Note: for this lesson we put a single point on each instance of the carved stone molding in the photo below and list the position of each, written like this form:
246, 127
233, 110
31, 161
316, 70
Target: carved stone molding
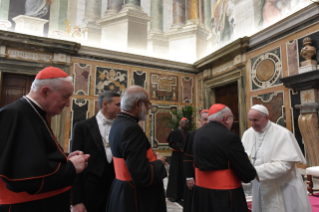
309, 128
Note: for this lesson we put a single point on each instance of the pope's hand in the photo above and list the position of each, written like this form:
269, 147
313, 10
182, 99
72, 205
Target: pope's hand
79, 208
78, 162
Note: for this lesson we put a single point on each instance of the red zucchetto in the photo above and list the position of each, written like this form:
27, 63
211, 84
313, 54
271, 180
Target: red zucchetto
51, 73
184, 119
203, 111
215, 108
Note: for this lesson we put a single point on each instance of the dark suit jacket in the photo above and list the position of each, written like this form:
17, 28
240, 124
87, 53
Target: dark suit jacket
95, 181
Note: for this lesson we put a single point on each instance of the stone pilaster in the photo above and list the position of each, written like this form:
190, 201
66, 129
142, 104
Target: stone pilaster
178, 14
192, 10
157, 15
134, 2
125, 31
4, 9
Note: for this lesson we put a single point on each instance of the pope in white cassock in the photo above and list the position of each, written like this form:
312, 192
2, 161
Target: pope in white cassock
274, 152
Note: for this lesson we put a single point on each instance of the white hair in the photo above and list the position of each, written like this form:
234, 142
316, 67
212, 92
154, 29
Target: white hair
219, 115
54, 84
128, 100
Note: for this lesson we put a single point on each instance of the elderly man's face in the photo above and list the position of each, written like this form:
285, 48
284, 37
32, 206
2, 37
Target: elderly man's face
57, 100
146, 106
257, 120
203, 119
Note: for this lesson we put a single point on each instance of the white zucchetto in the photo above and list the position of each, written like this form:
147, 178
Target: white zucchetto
260, 108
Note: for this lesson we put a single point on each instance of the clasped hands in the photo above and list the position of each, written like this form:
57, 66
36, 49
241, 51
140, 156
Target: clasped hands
79, 160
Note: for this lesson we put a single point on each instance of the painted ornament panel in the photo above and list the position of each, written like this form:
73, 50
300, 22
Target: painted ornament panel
164, 87
274, 102
292, 57
266, 70
82, 78
79, 112
187, 90
110, 79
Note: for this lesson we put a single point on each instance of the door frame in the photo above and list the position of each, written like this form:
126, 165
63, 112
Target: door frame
226, 77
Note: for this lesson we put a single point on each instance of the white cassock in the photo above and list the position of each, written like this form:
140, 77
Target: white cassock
280, 187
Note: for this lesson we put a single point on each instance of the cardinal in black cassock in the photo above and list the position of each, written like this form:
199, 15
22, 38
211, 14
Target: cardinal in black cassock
35, 174
220, 165
189, 170
176, 181
138, 186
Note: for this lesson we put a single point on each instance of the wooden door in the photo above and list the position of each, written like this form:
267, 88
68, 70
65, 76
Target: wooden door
228, 95
14, 86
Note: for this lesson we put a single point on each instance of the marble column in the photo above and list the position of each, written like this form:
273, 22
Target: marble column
92, 13
192, 10
113, 6
134, 2
157, 41
4, 9
157, 15
178, 13
201, 15
92, 10
207, 14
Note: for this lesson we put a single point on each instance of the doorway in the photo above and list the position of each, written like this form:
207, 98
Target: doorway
228, 95
14, 86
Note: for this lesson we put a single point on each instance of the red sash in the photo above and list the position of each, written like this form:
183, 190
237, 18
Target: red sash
8, 197
121, 170
220, 179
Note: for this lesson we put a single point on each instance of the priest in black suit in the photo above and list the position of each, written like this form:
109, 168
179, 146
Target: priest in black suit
91, 188
221, 164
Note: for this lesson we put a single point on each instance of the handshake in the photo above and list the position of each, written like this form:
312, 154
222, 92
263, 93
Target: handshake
79, 160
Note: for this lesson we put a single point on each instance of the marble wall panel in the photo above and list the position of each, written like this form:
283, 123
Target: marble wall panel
164, 87
266, 70
79, 112
158, 130
82, 79
110, 79
187, 90
274, 102
96, 107
139, 78
200, 92
292, 57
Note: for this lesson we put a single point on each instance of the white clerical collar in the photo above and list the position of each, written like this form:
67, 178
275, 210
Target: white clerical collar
29, 97
103, 119
266, 127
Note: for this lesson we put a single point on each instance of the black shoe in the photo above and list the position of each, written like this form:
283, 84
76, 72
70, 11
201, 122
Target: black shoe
172, 200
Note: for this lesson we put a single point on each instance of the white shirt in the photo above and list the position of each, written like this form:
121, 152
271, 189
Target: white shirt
105, 127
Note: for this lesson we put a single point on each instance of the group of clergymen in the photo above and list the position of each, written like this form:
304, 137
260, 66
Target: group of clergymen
112, 166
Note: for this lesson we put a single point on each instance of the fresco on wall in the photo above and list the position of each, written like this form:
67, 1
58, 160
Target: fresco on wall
109, 25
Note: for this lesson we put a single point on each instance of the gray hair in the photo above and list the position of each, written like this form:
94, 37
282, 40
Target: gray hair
219, 115
128, 100
106, 96
54, 84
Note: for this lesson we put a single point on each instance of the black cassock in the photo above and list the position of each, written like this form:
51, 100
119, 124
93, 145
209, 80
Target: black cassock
32, 164
176, 181
189, 171
217, 149
144, 192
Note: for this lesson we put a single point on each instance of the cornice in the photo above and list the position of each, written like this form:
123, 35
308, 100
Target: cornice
17, 40
133, 59
224, 54
292, 21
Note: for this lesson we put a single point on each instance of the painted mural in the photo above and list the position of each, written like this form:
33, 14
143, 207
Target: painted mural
108, 24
